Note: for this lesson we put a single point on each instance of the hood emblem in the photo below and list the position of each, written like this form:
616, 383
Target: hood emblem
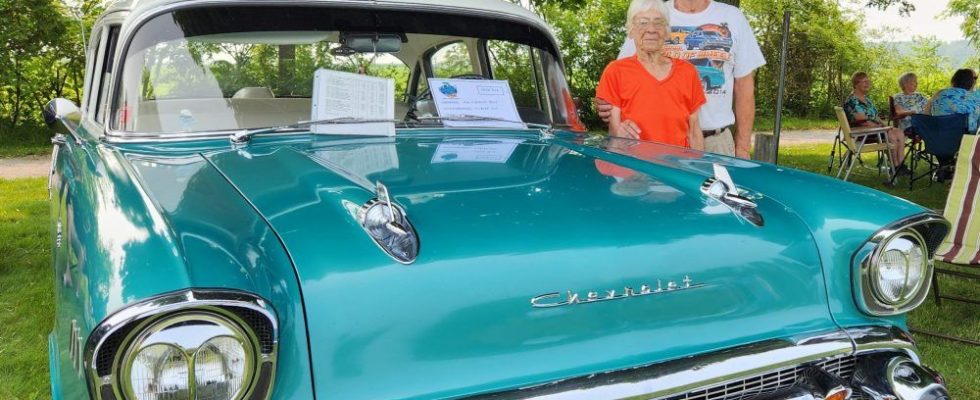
387, 224
721, 187
572, 298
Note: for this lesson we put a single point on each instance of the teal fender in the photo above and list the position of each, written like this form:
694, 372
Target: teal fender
126, 236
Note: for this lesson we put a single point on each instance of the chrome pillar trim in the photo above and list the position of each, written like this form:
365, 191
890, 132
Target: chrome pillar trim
683, 375
191, 299
930, 229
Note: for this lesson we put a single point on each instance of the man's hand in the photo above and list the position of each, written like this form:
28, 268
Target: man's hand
627, 129
603, 108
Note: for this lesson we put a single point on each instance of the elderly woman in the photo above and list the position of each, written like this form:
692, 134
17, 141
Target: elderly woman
958, 99
654, 97
861, 113
909, 101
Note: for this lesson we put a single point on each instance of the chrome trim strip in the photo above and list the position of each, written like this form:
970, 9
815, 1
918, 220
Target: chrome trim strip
707, 370
861, 279
168, 303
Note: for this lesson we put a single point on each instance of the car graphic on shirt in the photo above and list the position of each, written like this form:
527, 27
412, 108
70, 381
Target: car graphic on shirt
707, 40
711, 77
679, 33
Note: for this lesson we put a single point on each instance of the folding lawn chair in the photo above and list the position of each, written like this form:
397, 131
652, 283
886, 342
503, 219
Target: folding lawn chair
936, 141
857, 141
962, 245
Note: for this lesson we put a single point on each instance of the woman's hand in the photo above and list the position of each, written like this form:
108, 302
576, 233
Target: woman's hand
623, 129
627, 129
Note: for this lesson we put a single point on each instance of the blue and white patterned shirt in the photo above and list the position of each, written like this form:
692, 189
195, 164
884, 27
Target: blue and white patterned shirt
958, 101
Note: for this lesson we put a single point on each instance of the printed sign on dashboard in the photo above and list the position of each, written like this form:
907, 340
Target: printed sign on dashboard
464, 101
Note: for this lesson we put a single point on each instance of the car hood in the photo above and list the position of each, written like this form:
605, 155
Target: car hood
504, 219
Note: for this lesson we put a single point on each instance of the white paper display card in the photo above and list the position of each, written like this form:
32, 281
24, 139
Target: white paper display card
475, 97
345, 95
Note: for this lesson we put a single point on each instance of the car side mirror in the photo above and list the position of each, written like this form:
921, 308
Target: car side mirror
64, 111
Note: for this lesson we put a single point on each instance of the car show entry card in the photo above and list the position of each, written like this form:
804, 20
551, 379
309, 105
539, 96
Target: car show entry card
345, 95
475, 97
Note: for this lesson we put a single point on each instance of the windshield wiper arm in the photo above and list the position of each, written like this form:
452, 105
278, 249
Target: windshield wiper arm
245, 135
470, 117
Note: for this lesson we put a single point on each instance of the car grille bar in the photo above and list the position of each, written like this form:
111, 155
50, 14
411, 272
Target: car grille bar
769, 383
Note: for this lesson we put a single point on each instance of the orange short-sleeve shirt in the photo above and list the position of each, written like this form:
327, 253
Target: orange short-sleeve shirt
661, 108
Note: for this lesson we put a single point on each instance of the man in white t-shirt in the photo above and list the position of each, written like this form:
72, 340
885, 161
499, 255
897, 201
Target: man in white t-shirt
718, 40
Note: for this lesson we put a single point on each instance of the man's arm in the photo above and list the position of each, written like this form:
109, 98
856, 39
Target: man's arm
744, 114
694, 134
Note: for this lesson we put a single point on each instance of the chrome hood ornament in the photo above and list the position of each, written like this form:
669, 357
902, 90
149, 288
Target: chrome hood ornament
722, 188
389, 227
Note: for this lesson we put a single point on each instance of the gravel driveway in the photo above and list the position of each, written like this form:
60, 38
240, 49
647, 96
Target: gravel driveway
38, 166
24, 167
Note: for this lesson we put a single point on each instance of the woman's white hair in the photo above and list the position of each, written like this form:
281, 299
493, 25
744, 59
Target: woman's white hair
638, 6
905, 79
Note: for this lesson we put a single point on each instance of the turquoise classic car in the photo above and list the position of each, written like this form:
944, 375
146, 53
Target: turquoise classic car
213, 241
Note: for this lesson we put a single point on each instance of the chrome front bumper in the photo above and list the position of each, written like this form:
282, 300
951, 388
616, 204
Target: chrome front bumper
873, 363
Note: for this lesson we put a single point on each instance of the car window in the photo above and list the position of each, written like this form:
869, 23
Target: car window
452, 60
106, 73
94, 68
515, 64
205, 71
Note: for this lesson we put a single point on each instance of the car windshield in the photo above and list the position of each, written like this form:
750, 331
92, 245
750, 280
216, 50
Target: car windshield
230, 68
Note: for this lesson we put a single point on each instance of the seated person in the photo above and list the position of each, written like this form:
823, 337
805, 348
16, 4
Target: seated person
861, 113
909, 101
959, 98
654, 97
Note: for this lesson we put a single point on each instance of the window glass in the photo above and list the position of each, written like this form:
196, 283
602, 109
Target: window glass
228, 68
94, 71
107, 61
453, 60
513, 63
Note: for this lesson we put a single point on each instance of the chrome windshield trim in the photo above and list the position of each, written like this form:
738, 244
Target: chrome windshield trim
121, 137
706, 370
169, 303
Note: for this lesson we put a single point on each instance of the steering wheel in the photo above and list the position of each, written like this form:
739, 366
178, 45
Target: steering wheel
427, 94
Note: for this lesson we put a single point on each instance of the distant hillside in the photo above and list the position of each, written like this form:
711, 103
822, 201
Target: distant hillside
958, 52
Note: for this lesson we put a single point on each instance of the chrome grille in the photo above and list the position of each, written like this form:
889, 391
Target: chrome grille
768, 383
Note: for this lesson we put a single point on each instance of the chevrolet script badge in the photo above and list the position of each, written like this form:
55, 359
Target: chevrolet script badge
571, 298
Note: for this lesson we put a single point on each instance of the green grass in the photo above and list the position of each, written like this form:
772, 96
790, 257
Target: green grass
26, 306
13, 150
26, 309
766, 124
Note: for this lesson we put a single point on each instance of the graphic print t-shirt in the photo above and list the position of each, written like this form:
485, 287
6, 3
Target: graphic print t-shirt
721, 45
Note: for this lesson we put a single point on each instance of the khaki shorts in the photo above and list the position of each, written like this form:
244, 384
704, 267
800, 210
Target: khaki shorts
721, 143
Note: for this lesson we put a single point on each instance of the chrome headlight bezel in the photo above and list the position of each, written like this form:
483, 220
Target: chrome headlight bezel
925, 231
110, 343
153, 327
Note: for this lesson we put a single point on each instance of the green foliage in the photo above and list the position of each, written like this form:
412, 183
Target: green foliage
590, 37
41, 58
970, 11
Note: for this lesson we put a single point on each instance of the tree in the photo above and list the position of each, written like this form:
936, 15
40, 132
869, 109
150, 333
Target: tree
970, 11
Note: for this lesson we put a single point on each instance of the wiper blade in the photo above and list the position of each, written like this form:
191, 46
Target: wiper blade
470, 117
244, 135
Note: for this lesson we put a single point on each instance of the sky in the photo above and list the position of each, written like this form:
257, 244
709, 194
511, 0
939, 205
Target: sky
924, 21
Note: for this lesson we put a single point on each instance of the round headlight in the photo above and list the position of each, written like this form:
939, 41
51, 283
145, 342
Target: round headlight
160, 369
186, 356
900, 271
